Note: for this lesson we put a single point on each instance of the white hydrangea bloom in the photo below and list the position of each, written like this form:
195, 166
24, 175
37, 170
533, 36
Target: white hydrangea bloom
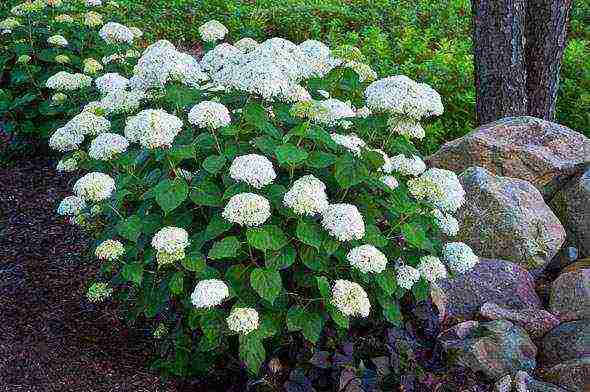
387, 166
107, 146
71, 206
400, 95
432, 269
253, 169
110, 82
209, 114
343, 221
137, 33
331, 110
459, 257
91, 66
93, 3
319, 55
363, 112
67, 165
57, 40
122, 101
351, 142
93, 19
350, 298
113, 33
412, 166
367, 259
246, 44
187, 70
406, 126
363, 70
390, 181
440, 187
407, 276
65, 139
212, 31
65, 81
8, 24
447, 223
95, 187
109, 250
88, 123
247, 209
209, 293
62, 59
153, 128
307, 196
99, 292
243, 320
170, 244
223, 55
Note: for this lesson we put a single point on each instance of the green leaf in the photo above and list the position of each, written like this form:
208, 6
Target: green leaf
312, 258
416, 235
338, 317
214, 163
324, 287
267, 283
391, 309
320, 160
310, 323
421, 290
281, 259
264, 238
180, 153
181, 96
217, 225
225, 248
290, 154
130, 228
310, 233
206, 193
252, 352
132, 272
176, 283
349, 171
194, 262
387, 281
171, 193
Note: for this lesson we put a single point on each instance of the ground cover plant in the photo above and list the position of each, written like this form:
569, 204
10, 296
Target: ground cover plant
249, 198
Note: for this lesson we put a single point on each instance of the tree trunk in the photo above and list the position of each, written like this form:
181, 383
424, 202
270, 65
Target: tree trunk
546, 27
500, 69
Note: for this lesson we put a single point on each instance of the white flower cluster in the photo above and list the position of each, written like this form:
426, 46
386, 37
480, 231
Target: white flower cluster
65, 81
344, 222
93, 19
307, 196
91, 66
243, 320
367, 259
209, 293
87, 123
390, 182
71, 206
407, 276
170, 244
459, 257
210, 115
8, 24
113, 33
406, 126
119, 101
67, 165
110, 82
350, 298
413, 166
447, 223
99, 292
109, 250
93, 3
153, 128
247, 209
107, 146
246, 44
253, 169
440, 187
212, 31
331, 110
351, 142
65, 140
57, 40
94, 187
432, 269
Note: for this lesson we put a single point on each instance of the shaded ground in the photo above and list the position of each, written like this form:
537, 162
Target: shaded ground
50, 339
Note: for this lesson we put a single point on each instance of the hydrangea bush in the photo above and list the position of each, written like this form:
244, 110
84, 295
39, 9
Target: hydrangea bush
241, 199
49, 53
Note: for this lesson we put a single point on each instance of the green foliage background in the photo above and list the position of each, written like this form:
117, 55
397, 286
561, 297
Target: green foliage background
428, 40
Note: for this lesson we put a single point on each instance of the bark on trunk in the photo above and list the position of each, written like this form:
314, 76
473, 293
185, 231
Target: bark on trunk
546, 27
500, 69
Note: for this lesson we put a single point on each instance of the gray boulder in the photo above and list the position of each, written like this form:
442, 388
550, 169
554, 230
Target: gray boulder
537, 322
573, 375
570, 294
568, 341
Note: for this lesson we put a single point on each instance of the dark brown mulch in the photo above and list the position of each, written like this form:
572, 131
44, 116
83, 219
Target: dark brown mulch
50, 338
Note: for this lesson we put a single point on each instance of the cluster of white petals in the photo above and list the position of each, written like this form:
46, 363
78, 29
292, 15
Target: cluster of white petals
109, 250
67, 165
331, 110
8, 24
92, 19
253, 169
71, 206
88, 123
351, 142
447, 223
57, 40
113, 33
406, 126
170, 244
407, 276
209, 293
440, 187
153, 128
350, 298
343, 221
95, 187
431, 268
390, 181
121, 101
459, 257
307, 196
412, 166
99, 292
93, 3
212, 31
247, 209
65, 140
92, 66
243, 320
209, 114
65, 81
367, 259
111, 81
107, 146
246, 44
